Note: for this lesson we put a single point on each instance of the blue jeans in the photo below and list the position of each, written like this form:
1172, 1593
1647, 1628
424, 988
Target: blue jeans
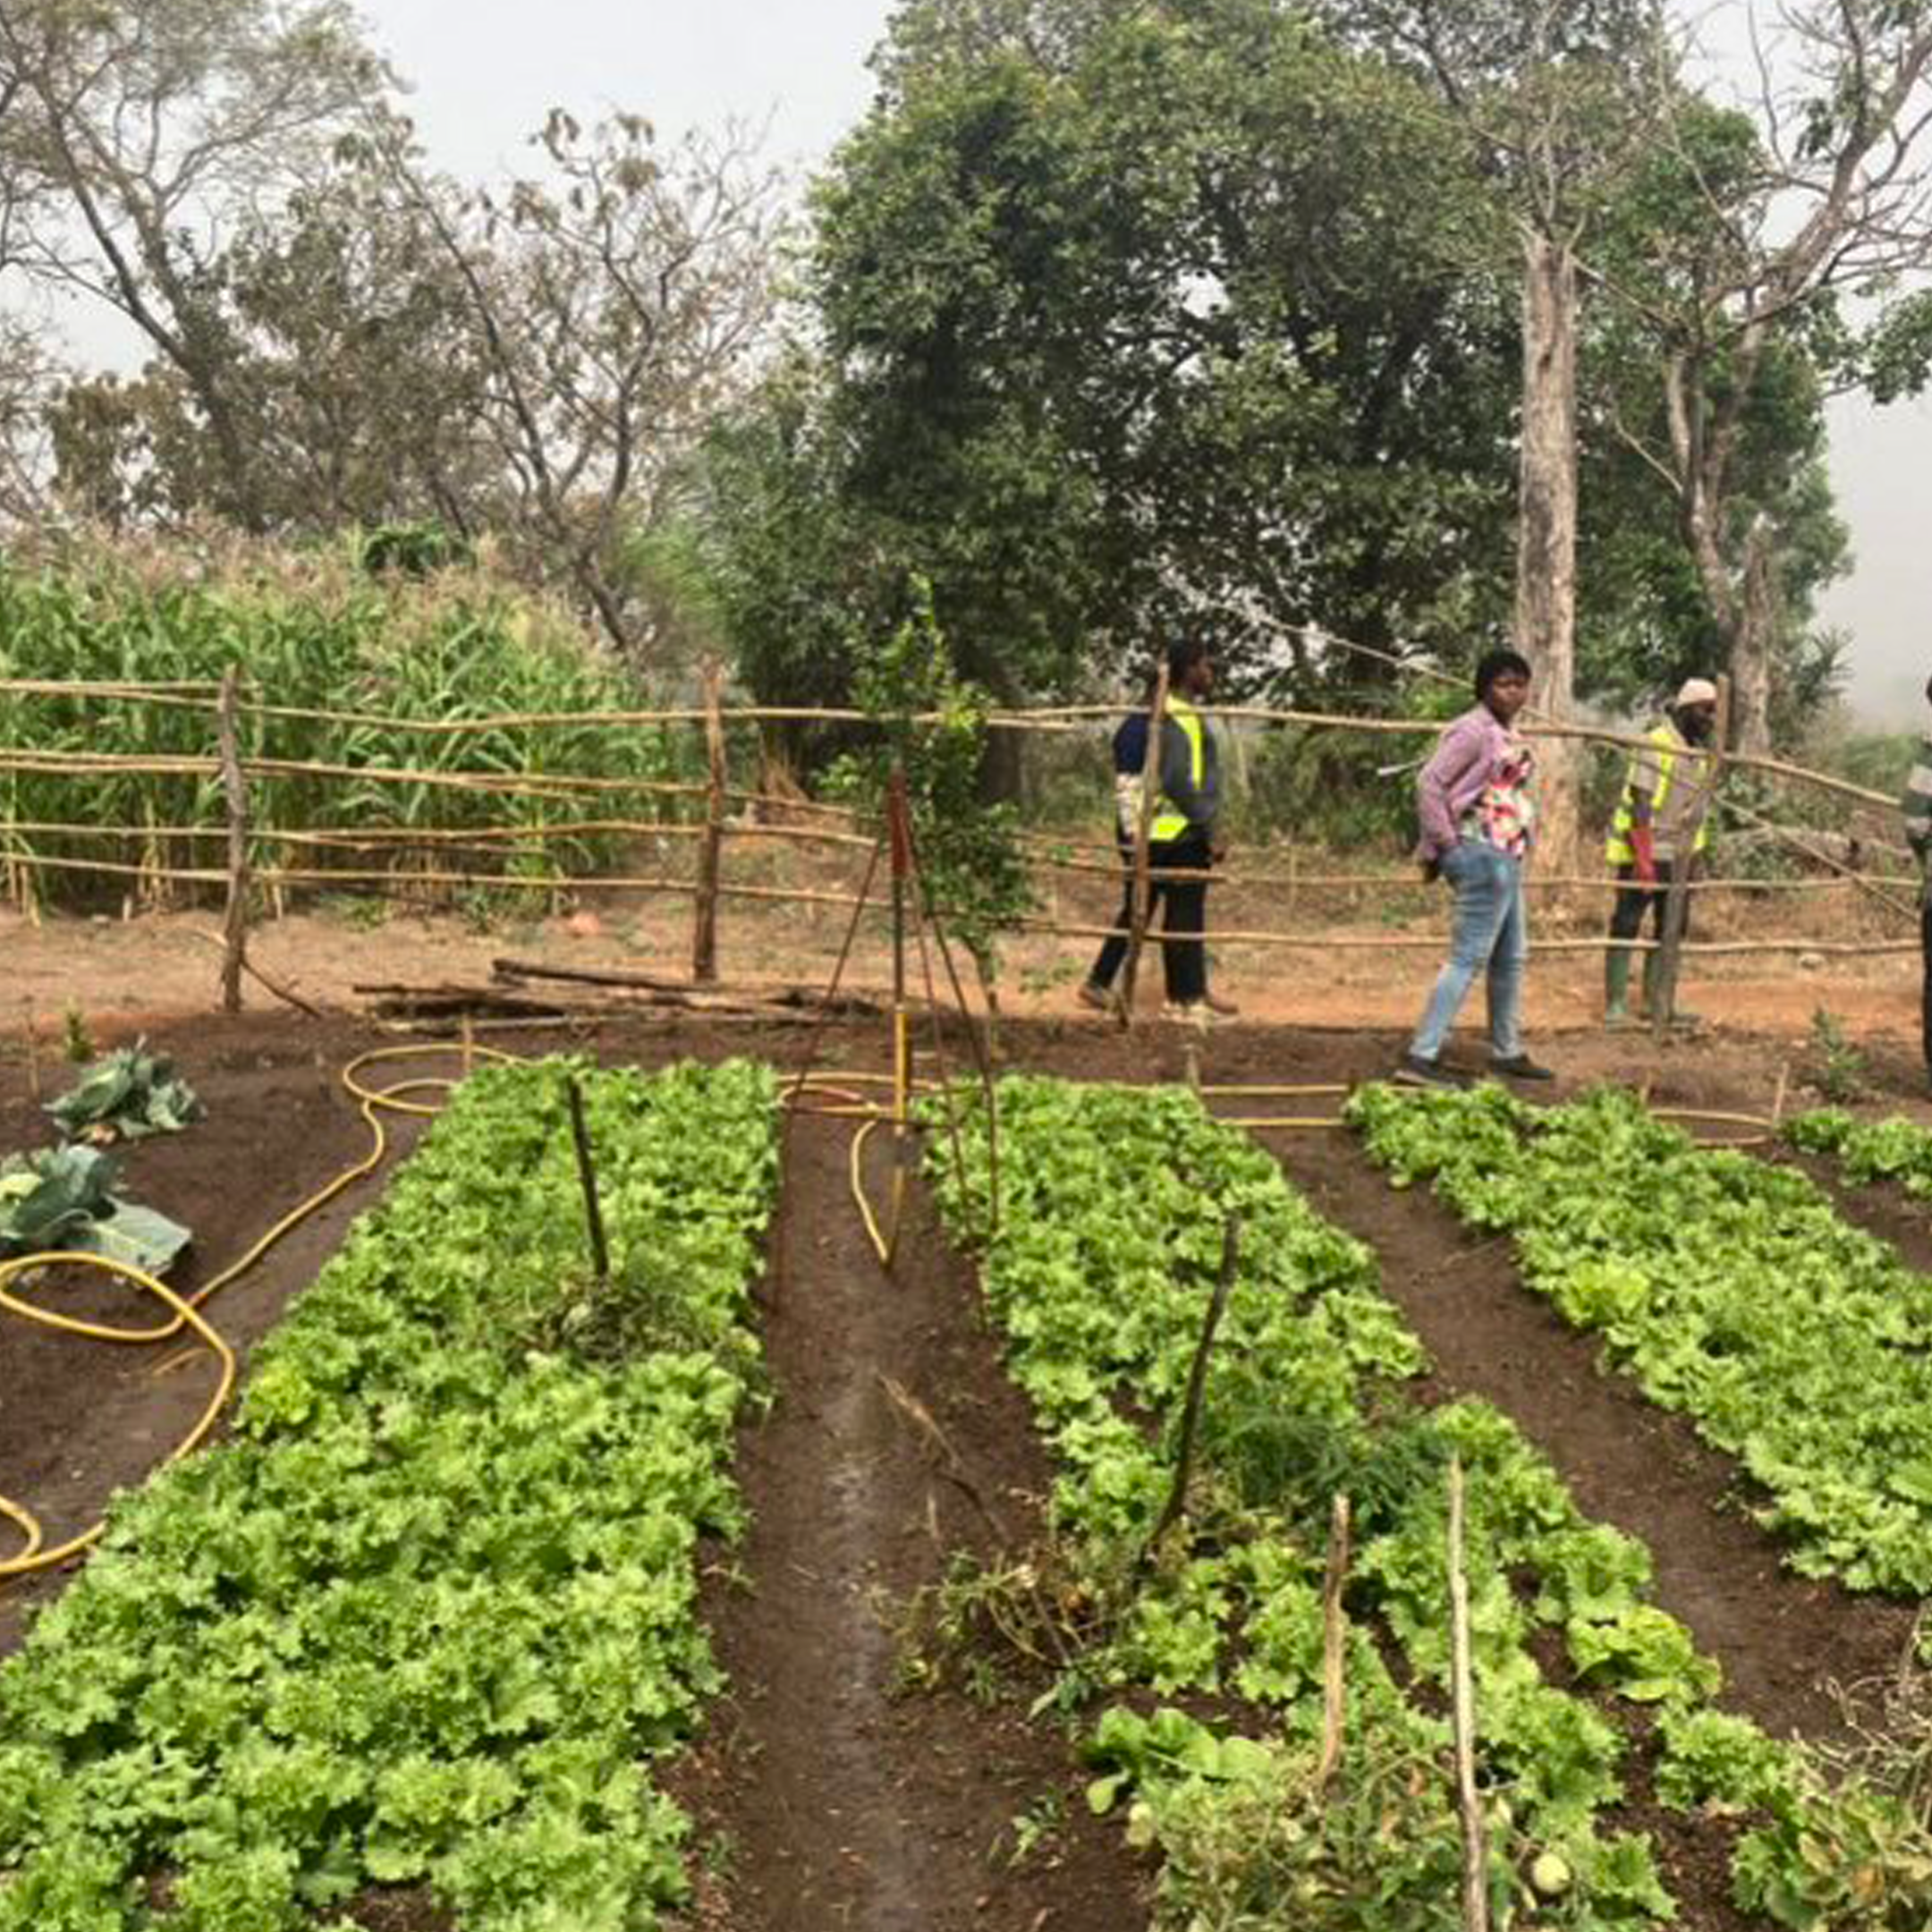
1489, 933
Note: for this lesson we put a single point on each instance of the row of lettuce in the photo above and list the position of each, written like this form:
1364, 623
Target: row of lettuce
429, 1619
430, 1614
1730, 1289
1115, 1209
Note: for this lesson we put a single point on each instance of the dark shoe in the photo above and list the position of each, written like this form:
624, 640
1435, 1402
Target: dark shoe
1413, 1071
1099, 997
1520, 1066
1221, 1009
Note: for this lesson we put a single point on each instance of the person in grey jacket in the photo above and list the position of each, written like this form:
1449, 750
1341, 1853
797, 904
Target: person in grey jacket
1476, 797
1182, 841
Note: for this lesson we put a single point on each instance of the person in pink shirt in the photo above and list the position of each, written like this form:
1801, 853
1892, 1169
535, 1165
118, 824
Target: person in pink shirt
1476, 801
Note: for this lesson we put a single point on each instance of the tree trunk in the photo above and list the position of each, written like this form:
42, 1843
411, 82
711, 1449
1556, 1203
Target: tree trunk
1546, 550
1750, 645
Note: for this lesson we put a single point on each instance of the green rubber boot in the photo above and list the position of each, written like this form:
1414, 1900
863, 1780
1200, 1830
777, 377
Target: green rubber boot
1616, 1012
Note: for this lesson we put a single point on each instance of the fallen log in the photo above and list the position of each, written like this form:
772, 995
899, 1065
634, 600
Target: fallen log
789, 998
495, 1005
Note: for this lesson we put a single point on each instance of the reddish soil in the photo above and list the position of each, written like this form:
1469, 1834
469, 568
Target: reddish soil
838, 1801
847, 1802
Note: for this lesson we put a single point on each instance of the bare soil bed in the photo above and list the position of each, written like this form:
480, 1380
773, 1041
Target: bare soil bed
837, 1801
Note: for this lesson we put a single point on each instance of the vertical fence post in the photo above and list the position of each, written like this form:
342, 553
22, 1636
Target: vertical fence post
710, 851
1677, 901
234, 789
1143, 884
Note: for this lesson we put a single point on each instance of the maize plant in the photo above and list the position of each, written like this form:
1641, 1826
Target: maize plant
310, 634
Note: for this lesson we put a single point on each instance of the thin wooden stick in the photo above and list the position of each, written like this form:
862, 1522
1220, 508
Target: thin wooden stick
1060, 719
487, 838
1469, 1801
234, 791
285, 994
710, 853
587, 1175
982, 1047
1334, 1645
32, 1032
1066, 929
186, 766
1197, 1385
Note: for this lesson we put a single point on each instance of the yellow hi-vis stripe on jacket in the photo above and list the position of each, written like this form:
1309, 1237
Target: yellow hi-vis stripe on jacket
1618, 848
1171, 823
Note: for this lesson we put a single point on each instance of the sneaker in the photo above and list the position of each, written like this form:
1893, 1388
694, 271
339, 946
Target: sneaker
1189, 1012
1099, 998
1413, 1071
1221, 1009
1520, 1066
1622, 1019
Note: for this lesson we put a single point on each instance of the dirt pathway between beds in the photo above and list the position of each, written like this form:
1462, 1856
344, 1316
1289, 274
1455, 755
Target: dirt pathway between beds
836, 1799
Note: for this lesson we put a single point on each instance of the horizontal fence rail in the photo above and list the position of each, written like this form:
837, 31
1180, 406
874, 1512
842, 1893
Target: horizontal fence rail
239, 791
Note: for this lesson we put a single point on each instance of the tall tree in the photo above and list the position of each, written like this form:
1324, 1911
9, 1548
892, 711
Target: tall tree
613, 302
1556, 94
136, 138
534, 362
1141, 317
1761, 226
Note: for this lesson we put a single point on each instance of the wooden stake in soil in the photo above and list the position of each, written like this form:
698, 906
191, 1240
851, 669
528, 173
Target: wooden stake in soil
234, 789
1475, 1858
1334, 1649
1197, 1385
33, 1048
1143, 883
587, 1173
710, 852
899, 824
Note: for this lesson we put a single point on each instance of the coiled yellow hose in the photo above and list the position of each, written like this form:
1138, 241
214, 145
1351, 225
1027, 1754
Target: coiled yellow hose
374, 1103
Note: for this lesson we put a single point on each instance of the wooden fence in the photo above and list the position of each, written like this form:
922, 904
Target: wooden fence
249, 856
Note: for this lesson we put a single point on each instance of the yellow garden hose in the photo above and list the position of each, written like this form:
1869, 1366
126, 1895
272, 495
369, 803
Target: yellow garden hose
374, 1102
34, 1556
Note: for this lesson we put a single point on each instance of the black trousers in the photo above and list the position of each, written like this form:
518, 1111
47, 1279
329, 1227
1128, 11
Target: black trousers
1634, 899
1182, 904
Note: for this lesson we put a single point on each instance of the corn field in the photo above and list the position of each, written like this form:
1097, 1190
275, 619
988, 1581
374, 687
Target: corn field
312, 634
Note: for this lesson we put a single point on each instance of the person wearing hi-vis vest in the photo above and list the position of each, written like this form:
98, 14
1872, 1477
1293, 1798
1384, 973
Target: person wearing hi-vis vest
1659, 832
1181, 839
